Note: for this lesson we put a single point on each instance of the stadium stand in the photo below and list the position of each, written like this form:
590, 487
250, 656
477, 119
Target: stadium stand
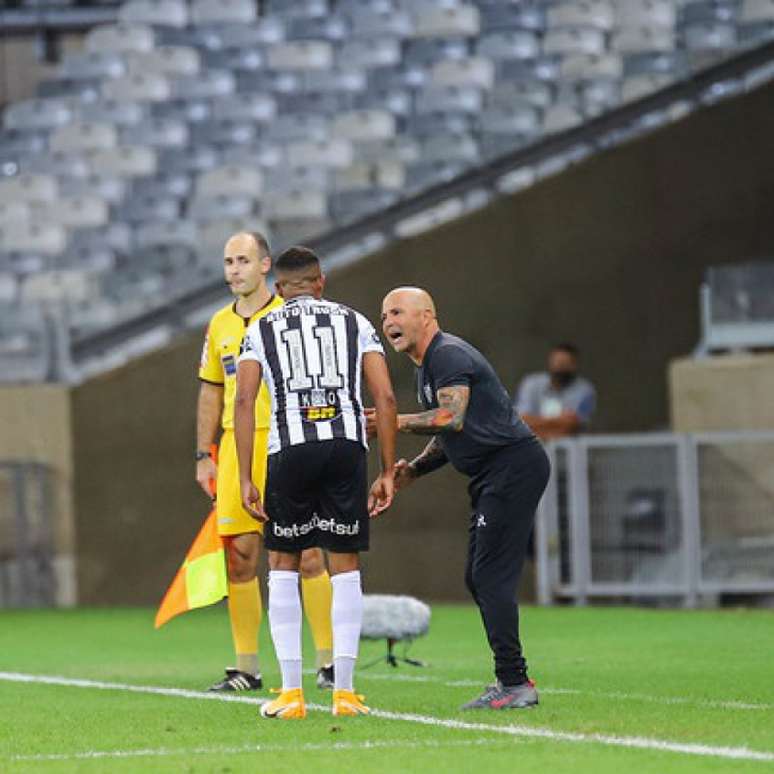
183, 120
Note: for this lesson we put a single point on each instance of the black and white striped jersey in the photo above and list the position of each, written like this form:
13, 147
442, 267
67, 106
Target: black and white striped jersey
311, 355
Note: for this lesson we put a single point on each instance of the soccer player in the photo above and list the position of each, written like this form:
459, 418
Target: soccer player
313, 354
246, 263
469, 415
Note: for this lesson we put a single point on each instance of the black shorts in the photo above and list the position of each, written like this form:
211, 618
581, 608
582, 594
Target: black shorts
317, 496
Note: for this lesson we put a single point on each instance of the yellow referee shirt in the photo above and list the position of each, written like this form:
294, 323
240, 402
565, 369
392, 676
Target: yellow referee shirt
219, 360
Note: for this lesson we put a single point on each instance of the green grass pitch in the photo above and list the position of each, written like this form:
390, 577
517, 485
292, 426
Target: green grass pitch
702, 682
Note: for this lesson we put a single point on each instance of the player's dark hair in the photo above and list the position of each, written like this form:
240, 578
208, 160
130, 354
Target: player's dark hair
261, 242
296, 259
566, 346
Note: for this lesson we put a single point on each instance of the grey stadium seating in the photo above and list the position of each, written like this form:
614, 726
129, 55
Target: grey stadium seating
188, 119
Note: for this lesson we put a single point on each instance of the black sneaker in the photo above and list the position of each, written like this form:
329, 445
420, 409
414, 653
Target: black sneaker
500, 696
237, 681
325, 677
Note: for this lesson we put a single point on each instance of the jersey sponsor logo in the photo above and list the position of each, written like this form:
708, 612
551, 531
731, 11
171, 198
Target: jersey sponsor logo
319, 405
324, 525
245, 346
480, 520
229, 365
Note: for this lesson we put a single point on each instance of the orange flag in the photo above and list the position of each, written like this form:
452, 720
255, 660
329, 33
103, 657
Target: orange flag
201, 579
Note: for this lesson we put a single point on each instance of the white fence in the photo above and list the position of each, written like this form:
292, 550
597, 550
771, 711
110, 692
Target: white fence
657, 516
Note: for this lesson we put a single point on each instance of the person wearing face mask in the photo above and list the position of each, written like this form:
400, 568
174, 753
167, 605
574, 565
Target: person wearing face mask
558, 402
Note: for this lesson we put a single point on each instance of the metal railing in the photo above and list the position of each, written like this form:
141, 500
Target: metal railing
662, 515
27, 577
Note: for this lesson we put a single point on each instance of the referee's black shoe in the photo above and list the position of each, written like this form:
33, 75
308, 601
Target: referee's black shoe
237, 681
499, 696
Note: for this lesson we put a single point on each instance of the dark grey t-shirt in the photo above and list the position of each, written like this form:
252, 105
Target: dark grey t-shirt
491, 422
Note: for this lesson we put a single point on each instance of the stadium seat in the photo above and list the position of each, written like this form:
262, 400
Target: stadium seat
120, 38
260, 108
177, 185
92, 64
399, 102
574, 40
755, 33
520, 120
445, 22
187, 160
560, 117
365, 54
449, 99
331, 27
203, 208
116, 236
401, 148
477, 72
633, 40
23, 236
9, 286
165, 60
364, 125
427, 51
301, 55
182, 232
208, 85
230, 180
156, 133
598, 14
123, 161
423, 125
294, 205
497, 16
160, 13
141, 209
218, 36
83, 135
38, 114
73, 286
639, 86
12, 210
87, 211
291, 128
645, 13
249, 59
28, 189
223, 12
708, 36
25, 345
424, 174
649, 64
757, 11
16, 143
349, 206
530, 92
111, 189
599, 94
402, 77
709, 11
580, 67
59, 164
288, 231
215, 232
363, 176
78, 89
106, 111
137, 87
454, 148
335, 152
509, 44
374, 23
223, 133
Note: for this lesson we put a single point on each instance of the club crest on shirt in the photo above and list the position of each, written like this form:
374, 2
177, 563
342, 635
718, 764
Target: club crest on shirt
229, 365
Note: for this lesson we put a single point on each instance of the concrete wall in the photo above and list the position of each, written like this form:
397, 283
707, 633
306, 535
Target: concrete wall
609, 254
37, 427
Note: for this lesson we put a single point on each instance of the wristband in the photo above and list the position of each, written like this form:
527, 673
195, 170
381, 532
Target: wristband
202, 455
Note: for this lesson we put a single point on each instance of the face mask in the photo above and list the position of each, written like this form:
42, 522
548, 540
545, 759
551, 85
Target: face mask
563, 378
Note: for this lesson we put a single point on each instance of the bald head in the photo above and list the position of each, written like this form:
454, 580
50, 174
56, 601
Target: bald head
409, 320
246, 263
412, 298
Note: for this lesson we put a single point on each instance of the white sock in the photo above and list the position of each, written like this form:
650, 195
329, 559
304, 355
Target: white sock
285, 624
347, 615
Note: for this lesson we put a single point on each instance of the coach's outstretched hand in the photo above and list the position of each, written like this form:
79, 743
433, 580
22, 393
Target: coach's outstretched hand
381, 494
251, 501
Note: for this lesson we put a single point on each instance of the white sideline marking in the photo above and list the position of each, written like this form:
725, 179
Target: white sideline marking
642, 743
252, 748
618, 695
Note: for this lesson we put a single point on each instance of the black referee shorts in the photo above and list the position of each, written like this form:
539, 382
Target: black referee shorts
317, 497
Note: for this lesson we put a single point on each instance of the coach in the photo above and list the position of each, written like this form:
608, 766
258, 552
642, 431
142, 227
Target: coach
469, 415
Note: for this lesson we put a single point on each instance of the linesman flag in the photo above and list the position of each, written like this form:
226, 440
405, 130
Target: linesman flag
201, 579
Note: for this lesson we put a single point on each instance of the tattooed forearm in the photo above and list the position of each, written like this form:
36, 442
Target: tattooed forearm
432, 458
450, 414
